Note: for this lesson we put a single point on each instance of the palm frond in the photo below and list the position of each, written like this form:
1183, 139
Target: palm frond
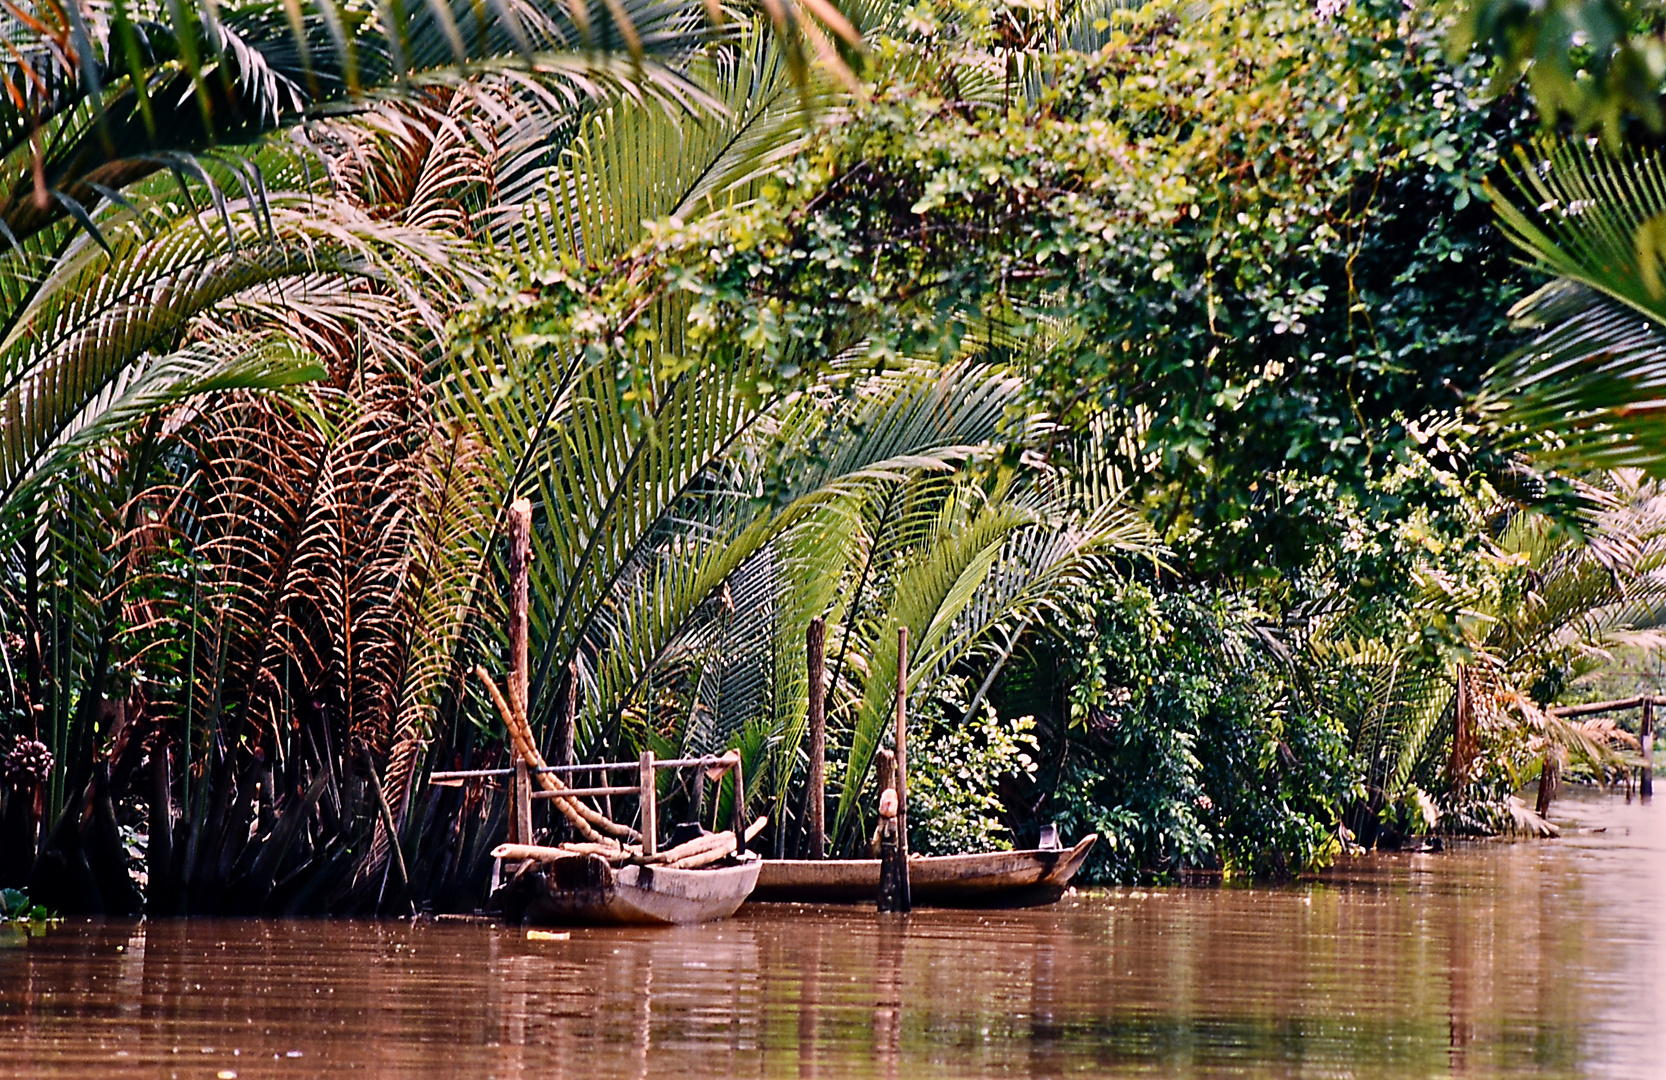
1590, 383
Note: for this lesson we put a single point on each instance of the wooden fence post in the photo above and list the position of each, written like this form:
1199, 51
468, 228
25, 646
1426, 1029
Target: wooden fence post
815, 648
523, 802
650, 809
893, 865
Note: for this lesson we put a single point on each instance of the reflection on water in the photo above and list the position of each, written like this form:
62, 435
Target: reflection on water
1531, 959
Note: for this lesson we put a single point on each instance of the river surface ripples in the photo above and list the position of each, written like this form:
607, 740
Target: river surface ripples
1531, 959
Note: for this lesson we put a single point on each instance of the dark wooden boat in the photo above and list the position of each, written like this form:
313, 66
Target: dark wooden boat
581, 889
994, 879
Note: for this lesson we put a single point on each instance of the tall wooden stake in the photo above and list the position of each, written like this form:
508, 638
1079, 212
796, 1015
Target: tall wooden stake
1549, 772
520, 553
815, 648
1463, 735
1647, 738
159, 856
566, 735
885, 766
650, 805
738, 814
903, 898
902, 736
893, 866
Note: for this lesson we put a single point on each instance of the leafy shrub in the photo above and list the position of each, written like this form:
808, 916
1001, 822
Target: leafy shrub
953, 774
1183, 749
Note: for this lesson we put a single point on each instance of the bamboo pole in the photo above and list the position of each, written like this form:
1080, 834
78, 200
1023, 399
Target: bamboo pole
520, 555
565, 734
590, 824
815, 648
520, 551
588, 792
1591, 708
650, 808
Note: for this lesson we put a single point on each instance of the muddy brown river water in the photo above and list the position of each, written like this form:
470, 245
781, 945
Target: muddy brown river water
1534, 959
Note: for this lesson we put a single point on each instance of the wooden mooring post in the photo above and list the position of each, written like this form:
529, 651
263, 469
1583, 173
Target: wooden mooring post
893, 865
520, 554
894, 892
815, 649
1645, 735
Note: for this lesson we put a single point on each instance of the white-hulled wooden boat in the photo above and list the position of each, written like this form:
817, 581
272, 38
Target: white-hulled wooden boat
992, 879
584, 889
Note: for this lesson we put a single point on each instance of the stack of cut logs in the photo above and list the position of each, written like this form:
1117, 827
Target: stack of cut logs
701, 851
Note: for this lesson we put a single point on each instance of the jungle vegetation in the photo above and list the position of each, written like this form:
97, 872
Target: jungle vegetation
1248, 414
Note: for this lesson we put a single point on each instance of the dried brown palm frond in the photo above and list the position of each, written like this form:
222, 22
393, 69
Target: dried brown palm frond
454, 514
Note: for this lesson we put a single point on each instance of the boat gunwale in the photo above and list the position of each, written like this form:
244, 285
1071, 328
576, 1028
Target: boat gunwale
970, 876
612, 901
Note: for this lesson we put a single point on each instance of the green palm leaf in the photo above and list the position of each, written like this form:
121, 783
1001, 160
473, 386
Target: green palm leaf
1590, 382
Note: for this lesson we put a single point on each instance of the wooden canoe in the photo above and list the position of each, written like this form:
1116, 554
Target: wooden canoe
586, 890
995, 879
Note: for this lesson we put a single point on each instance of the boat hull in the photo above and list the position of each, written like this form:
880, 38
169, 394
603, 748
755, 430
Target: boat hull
993, 879
585, 890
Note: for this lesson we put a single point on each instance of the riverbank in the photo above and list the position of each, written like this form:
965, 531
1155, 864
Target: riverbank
1490, 959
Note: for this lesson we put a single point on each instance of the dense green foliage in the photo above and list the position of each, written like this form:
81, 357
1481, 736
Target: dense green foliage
1121, 357
957, 769
1184, 748
1253, 240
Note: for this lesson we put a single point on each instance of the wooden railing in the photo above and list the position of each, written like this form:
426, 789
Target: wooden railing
1645, 729
646, 789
